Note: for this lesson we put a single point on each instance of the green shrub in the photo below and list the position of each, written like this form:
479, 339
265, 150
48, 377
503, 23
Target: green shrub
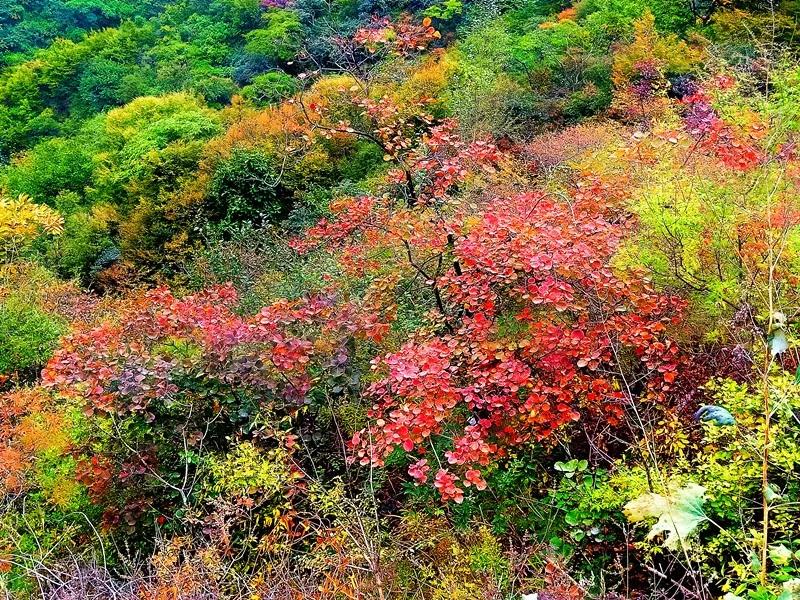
51, 167
27, 336
613, 19
246, 187
279, 39
270, 88
86, 234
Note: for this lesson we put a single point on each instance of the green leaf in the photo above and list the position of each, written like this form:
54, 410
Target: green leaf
771, 494
780, 554
571, 466
678, 514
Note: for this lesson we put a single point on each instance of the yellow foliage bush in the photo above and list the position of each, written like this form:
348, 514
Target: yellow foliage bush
428, 79
22, 221
671, 54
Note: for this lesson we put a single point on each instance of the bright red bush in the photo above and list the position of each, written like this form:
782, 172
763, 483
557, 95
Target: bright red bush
175, 377
402, 37
124, 367
716, 137
542, 329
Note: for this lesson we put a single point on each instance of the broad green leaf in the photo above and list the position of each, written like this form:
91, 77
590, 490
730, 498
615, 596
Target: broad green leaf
771, 494
678, 514
780, 554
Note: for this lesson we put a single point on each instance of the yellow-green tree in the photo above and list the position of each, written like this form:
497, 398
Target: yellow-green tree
22, 222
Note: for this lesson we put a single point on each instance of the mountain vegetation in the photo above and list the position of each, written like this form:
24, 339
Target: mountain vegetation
400, 299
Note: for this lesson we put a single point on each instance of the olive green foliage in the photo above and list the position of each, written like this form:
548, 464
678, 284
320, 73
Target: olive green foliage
247, 470
669, 211
446, 9
87, 233
730, 469
534, 66
50, 168
35, 94
33, 24
278, 39
485, 97
613, 19
28, 335
120, 163
190, 46
150, 139
270, 88
246, 187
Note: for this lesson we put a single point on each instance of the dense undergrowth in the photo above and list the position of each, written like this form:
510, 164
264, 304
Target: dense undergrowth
436, 300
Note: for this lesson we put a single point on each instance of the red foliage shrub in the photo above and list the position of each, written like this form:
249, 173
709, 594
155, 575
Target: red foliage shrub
545, 329
402, 37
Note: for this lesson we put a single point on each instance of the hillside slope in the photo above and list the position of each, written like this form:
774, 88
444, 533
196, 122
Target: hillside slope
436, 299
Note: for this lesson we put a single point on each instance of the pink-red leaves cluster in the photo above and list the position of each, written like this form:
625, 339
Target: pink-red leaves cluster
401, 37
163, 341
716, 137
544, 329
